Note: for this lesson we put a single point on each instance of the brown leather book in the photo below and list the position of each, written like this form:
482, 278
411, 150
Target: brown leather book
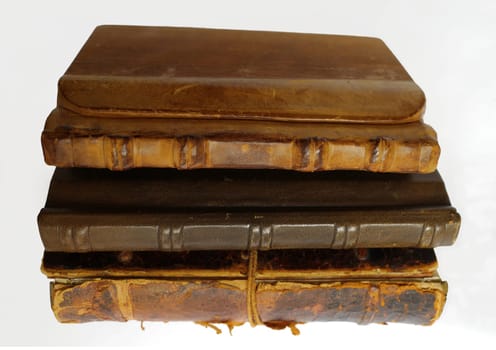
171, 210
275, 288
202, 98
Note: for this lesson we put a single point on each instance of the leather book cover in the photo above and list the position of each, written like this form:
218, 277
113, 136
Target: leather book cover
207, 98
274, 288
171, 210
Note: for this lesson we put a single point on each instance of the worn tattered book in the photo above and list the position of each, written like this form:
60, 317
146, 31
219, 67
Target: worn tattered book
276, 288
207, 98
210, 209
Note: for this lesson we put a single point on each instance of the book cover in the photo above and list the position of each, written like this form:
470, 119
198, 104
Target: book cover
274, 288
201, 98
171, 210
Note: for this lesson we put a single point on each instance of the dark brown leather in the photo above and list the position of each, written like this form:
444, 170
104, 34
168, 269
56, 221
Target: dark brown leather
288, 287
160, 209
292, 263
196, 98
231, 74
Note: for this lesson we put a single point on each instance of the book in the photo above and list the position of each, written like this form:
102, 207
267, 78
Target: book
202, 98
172, 210
275, 288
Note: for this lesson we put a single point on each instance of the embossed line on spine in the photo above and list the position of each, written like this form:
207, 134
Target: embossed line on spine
373, 301
114, 154
126, 152
123, 299
74, 239
340, 236
266, 239
319, 154
307, 154
164, 238
177, 238
352, 235
254, 237
426, 236
191, 153
333, 238
65, 237
81, 236
379, 154
183, 152
120, 152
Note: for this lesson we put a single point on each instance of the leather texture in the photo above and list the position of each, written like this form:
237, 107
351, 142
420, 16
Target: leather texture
201, 98
170, 210
286, 287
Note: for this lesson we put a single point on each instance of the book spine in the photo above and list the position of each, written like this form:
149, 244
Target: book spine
276, 304
75, 232
119, 153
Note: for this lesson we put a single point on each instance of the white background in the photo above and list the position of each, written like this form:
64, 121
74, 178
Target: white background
448, 47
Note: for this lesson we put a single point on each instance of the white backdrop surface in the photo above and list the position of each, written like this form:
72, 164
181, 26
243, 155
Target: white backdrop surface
448, 47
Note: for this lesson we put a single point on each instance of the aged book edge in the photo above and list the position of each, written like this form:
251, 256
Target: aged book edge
161, 190
84, 274
280, 303
329, 105
301, 264
85, 232
380, 154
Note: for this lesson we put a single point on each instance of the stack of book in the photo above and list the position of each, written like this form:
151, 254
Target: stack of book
223, 176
